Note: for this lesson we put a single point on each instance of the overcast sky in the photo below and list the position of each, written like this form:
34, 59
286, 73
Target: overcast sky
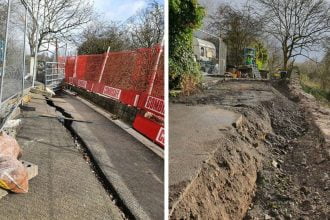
120, 10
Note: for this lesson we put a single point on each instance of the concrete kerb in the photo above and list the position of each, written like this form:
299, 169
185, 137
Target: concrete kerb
146, 142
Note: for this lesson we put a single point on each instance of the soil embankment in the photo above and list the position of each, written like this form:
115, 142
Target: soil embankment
274, 166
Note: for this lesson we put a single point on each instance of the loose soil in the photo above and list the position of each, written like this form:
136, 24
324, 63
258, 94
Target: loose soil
276, 166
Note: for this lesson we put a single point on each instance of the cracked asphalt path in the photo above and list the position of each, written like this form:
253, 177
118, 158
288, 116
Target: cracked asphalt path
66, 187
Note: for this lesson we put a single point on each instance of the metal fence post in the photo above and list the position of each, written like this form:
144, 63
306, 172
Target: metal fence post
5, 51
36, 48
24, 53
46, 69
104, 63
220, 45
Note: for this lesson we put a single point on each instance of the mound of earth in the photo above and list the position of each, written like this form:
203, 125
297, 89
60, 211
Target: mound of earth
275, 166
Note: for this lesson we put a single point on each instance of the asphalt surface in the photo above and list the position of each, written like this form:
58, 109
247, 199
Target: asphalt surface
66, 187
136, 173
196, 132
193, 130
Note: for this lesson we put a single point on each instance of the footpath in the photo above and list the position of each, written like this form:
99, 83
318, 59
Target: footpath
134, 171
66, 186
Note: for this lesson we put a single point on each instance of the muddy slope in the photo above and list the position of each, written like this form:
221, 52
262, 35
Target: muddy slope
274, 167
231, 171
295, 185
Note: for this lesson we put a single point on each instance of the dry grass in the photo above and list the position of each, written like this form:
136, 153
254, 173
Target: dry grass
189, 84
316, 89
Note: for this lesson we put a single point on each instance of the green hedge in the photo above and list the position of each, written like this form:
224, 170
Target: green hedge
184, 17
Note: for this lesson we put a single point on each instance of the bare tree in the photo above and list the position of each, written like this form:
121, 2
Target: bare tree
98, 36
147, 27
299, 25
325, 71
274, 56
56, 19
238, 27
326, 44
96, 28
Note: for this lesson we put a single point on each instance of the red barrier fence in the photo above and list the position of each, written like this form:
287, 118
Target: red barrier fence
134, 78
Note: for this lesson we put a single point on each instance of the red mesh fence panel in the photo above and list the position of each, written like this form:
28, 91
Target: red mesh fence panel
118, 70
69, 67
90, 66
144, 68
81, 67
158, 86
130, 71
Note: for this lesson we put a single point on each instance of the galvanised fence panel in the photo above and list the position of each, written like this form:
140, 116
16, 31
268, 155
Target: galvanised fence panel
14, 67
14, 55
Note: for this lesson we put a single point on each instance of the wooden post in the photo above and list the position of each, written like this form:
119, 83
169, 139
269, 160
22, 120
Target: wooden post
104, 63
75, 66
153, 77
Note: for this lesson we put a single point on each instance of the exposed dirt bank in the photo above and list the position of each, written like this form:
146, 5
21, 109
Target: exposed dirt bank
275, 166
220, 180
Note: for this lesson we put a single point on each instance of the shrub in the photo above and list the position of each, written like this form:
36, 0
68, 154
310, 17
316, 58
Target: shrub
184, 17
